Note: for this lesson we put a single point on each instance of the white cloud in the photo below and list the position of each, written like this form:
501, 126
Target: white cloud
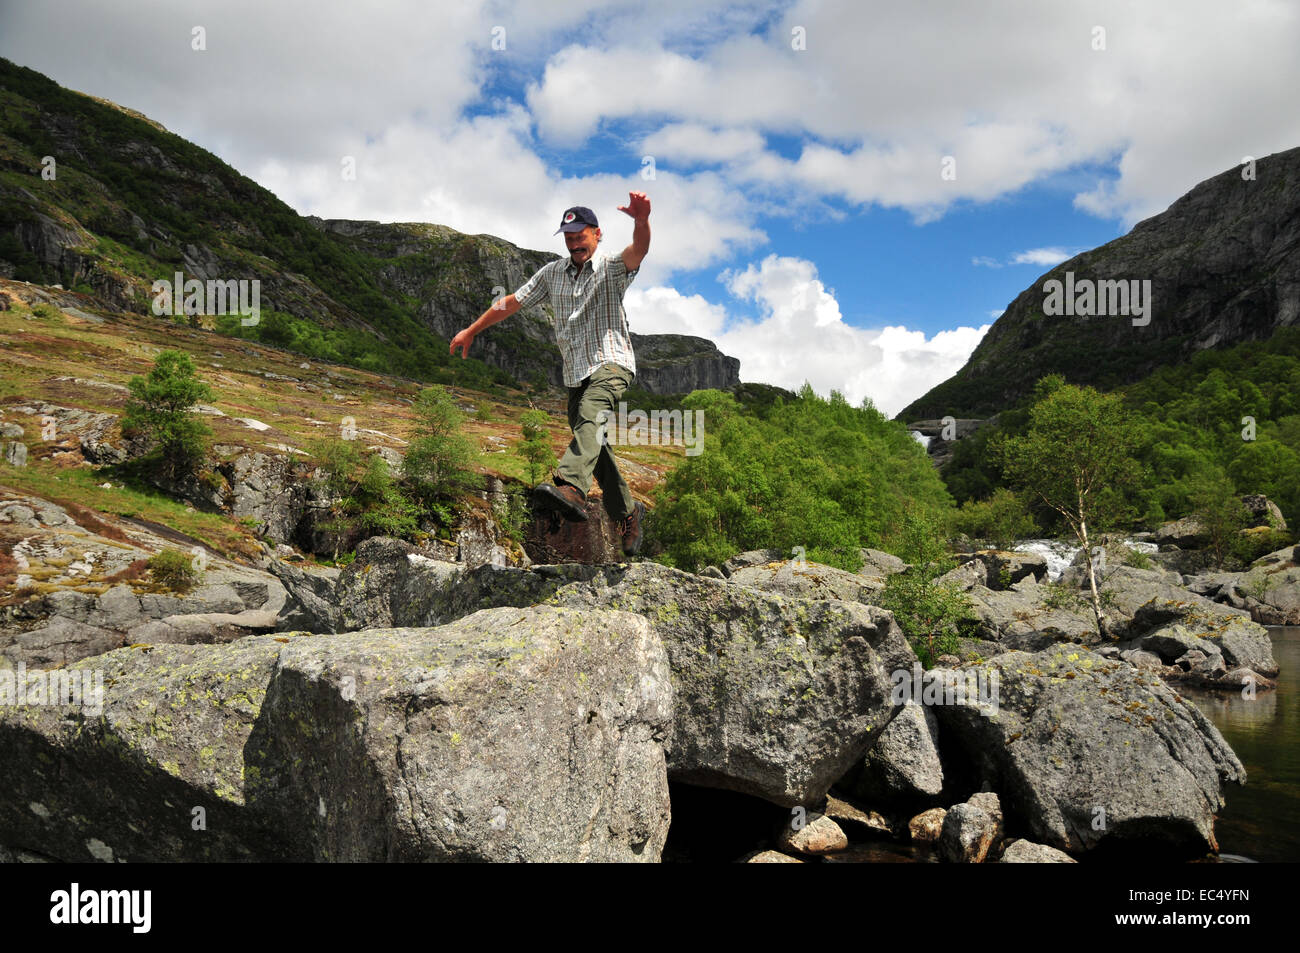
1182, 91
1045, 257
800, 335
688, 142
662, 310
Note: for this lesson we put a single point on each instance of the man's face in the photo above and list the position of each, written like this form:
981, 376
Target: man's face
582, 245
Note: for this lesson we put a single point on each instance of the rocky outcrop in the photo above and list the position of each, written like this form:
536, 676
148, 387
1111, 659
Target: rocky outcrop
681, 363
1269, 591
1185, 533
1030, 617
943, 433
96, 434
75, 609
1088, 753
777, 697
392, 744
1224, 267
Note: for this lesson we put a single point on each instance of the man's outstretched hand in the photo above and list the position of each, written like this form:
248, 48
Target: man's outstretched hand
638, 206
462, 340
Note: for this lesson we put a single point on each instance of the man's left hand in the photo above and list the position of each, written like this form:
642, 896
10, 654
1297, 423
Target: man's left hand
638, 206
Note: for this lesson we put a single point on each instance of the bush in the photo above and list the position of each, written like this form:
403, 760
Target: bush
815, 473
363, 492
158, 412
515, 512
931, 614
536, 445
174, 570
1001, 519
439, 465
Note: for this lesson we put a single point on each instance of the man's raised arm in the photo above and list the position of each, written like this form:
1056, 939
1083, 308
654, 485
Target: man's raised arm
638, 206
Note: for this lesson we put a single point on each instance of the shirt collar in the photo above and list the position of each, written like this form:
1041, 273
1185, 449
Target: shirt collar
568, 265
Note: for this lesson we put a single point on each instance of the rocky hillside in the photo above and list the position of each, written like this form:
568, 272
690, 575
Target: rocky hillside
449, 276
121, 202
1224, 267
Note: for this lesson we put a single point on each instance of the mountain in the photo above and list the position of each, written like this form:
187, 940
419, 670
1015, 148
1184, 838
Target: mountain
1223, 264
125, 202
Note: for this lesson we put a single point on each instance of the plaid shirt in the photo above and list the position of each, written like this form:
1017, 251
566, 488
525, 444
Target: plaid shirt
590, 323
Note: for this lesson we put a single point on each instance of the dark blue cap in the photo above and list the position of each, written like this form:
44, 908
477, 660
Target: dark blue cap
576, 219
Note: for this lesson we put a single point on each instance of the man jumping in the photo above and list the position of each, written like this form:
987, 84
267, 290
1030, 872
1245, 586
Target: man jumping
586, 296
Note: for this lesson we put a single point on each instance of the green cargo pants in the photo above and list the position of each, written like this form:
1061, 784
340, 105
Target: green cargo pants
587, 454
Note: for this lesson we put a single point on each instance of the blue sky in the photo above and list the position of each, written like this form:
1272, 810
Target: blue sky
801, 218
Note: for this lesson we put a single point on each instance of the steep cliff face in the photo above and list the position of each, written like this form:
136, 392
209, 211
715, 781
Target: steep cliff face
1223, 264
449, 278
681, 363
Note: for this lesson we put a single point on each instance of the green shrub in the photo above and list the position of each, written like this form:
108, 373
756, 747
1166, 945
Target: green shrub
174, 570
536, 445
1001, 519
815, 473
439, 464
931, 614
158, 412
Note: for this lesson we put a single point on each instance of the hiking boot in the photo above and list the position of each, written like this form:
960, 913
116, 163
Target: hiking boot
568, 499
632, 529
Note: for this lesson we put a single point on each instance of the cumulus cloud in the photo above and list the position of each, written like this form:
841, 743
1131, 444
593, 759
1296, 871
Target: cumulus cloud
799, 334
882, 95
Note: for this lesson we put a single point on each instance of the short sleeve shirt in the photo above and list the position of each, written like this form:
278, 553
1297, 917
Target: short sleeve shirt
590, 323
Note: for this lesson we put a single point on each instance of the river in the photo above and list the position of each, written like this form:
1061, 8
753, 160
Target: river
1260, 820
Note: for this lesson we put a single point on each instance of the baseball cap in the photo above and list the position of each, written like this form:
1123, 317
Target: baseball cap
576, 219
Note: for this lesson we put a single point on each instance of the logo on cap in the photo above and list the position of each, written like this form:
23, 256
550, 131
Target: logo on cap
568, 218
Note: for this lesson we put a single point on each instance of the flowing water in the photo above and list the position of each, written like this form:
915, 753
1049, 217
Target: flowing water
1261, 819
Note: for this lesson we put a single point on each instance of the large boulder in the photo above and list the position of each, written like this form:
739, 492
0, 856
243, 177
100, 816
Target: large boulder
903, 767
513, 734
1025, 617
156, 771
1263, 511
1087, 752
1004, 568
509, 735
392, 583
1185, 533
807, 581
776, 697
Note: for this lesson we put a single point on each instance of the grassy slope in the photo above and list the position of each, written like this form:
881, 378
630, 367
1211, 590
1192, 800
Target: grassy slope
35, 350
